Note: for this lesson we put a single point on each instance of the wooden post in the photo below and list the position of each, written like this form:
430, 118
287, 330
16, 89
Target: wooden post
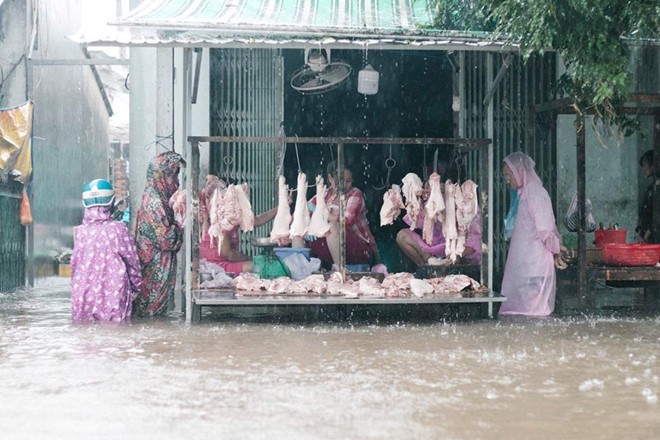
585, 297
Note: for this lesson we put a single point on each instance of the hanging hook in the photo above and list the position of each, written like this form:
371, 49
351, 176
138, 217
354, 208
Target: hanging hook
390, 163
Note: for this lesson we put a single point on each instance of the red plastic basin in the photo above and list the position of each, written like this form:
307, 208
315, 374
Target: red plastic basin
615, 254
602, 236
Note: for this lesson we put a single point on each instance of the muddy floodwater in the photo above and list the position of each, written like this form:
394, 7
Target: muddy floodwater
562, 377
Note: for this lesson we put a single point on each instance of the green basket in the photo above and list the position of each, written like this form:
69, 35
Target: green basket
269, 267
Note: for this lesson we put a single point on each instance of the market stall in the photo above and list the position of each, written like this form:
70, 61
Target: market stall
344, 289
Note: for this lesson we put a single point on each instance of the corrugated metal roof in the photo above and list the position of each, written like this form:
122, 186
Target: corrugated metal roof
292, 16
285, 23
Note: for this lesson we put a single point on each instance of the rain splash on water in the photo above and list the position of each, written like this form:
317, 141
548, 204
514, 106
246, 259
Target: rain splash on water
567, 377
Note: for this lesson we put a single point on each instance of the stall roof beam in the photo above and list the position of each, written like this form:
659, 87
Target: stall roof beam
464, 144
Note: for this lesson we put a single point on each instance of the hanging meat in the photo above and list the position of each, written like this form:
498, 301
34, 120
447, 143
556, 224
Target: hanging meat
282, 222
449, 228
434, 208
205, 195
301, 217
230, 208
178, 205
392, 205
246, 221
466, 209
412, 189
319, 226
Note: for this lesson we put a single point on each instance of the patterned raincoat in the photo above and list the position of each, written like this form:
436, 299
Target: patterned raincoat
105, 270
529, 281
158, 237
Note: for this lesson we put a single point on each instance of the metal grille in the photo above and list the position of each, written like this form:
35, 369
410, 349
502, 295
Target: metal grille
12, 240
514, 128
247, 100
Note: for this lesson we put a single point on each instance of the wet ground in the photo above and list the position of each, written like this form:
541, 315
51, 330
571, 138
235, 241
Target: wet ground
572, 376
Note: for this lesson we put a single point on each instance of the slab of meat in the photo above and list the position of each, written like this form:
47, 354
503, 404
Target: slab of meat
412, 189
246, 221
312, 284
369, 286
280, 285
282, 221
205, 195
392, 205
250, 282
318, 225
301, 217
400, 280
466, 209
452, 284
420, 288
178, 205
449, 228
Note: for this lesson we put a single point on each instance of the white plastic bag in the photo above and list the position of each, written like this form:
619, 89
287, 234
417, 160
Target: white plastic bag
299, 267
571, 220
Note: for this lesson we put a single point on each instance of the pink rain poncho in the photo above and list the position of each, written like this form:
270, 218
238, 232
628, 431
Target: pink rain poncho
105, 270
529, 282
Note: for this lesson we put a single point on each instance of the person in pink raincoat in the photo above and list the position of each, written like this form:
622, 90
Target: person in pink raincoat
529, 282
105, 269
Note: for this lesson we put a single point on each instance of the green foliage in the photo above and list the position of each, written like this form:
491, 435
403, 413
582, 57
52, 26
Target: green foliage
593, 37
461, 15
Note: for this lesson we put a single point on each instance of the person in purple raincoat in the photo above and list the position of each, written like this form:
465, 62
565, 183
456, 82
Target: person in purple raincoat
105, 269
158, 236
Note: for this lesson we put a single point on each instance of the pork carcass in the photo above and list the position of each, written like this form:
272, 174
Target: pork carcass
420, 288
230, 208
412, 189
449, 228
466, 209
392, 205
301, 217
433, 209
318, 225
282, 222
246, 221
205, 195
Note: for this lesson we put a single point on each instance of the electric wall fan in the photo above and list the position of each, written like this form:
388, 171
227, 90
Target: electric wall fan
320, 74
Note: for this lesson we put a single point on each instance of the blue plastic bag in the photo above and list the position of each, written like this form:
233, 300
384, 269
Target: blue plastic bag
510, 220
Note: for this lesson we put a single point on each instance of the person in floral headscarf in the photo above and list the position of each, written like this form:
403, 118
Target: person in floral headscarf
158, 236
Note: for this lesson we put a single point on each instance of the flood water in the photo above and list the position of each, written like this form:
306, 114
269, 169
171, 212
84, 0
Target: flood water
566, 377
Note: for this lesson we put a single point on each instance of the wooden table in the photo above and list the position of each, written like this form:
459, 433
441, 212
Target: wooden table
647, 277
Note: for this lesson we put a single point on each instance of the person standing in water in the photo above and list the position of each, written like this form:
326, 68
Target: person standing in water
158, 236
105, 269
529, 282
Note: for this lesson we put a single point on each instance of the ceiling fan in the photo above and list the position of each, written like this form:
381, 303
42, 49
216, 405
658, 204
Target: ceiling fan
320, 74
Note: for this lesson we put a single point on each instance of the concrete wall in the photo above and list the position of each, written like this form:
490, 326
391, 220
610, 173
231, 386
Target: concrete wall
13, 35
614, 182
70, 129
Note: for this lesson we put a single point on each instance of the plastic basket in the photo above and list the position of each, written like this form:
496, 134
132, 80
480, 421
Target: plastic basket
615, 254
604, 236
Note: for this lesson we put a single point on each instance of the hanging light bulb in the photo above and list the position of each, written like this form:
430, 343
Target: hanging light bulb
368, 81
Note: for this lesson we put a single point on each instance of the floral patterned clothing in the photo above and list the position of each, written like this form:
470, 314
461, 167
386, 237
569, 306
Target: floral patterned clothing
105, 269
158, 236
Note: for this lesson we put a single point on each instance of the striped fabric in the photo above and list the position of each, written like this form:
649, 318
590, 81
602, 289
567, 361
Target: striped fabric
395, 17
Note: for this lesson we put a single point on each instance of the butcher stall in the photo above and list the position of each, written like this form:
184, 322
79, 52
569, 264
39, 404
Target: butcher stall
430, 286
